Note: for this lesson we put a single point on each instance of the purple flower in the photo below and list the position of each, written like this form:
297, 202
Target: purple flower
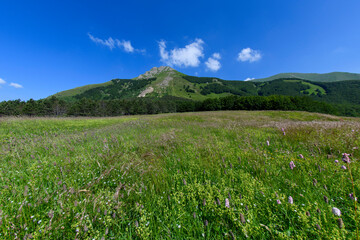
336, 161
336, 211
227, 203
345, 158
343, 167
352, 197
291, 200
278, 201
268, 143
301, 156
292, 165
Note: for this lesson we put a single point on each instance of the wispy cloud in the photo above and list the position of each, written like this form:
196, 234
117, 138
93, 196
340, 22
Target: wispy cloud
2, 81
213, 63
188, 56
115, 43
249, 79
250, 55
110, 43
15, 85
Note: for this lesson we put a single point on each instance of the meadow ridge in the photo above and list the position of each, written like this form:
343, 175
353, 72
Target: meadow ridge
206, 175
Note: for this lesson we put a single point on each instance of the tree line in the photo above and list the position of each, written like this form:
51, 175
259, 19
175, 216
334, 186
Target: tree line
118, 107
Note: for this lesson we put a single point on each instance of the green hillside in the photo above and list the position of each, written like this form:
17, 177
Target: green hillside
316, 77
69, 94
165, 81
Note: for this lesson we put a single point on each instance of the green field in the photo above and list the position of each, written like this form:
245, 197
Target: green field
209, 175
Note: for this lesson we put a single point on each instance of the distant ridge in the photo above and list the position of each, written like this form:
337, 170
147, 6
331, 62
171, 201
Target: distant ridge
316, 77
164, 81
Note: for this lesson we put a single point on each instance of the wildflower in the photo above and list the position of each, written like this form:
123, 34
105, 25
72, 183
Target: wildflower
314, 182
343, 167
340, 223
336, 211
352, 196
301, 156
278, 201
326, 199
291, 200
242, 218
218, 201
336, 161
227, 203
26, 190
51, 214
318, 210
308, 213
184, 181
268, 143
291, 165
345, 158
39, 221
232, 234
206, 223
318, 227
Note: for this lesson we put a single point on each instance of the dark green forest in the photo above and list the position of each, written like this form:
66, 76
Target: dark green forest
118, 107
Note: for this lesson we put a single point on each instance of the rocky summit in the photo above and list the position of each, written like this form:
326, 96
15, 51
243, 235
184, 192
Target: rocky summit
154, 72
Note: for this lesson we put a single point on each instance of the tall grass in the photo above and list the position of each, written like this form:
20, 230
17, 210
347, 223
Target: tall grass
178, 176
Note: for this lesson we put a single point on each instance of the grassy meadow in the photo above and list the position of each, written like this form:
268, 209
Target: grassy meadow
208, 175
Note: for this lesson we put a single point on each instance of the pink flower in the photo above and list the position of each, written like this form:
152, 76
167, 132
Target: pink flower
336, 161
278, 201
301, 156
343, 167
292, 165
227, 203
268, 143
345, 158
291, 200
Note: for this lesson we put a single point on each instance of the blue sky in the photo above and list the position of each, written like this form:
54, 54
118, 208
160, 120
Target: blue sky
50, 46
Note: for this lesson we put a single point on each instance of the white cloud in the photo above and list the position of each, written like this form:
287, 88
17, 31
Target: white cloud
213, 63
248, 54
110, 43
2, 81
126, 45
113, 43
249, 79
188, 56
15, 85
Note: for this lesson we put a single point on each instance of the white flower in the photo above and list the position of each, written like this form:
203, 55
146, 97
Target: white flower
336, 211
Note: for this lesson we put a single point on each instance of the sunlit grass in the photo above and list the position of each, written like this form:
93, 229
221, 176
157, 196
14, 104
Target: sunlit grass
169, 176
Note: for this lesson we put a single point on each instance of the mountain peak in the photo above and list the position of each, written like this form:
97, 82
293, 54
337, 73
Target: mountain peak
154, 72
